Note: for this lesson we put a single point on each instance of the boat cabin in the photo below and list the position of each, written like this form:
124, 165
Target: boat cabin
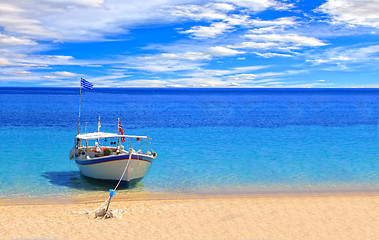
101, 144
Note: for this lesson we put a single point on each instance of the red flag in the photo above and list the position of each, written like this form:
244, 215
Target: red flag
121, 131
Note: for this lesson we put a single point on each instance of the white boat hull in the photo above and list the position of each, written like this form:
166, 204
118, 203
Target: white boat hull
112, 168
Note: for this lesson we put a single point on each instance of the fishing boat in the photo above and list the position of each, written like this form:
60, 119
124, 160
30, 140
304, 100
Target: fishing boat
112, 162
102, 155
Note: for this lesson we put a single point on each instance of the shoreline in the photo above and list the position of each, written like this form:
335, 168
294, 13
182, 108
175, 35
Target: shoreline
150, 196
229, 190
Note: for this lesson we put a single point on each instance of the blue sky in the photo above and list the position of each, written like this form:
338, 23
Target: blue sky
170, 43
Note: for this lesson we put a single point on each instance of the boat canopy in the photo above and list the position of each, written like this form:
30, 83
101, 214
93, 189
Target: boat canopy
98, 135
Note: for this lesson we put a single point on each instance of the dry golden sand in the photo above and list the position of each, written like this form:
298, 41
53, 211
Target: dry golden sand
325, 216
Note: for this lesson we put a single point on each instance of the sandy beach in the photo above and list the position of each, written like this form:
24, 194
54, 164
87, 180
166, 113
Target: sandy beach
307, 216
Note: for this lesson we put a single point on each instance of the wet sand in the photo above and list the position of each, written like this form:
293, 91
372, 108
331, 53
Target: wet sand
169, 216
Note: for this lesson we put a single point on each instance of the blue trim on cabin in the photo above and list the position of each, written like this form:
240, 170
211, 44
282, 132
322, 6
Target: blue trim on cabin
112, 158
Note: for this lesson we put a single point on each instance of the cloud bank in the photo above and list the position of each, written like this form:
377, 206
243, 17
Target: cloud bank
226, 43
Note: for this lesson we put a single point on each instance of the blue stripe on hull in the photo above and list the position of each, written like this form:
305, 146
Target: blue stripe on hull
112, 158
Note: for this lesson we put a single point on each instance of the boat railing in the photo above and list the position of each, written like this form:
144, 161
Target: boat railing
148, 144
119, 145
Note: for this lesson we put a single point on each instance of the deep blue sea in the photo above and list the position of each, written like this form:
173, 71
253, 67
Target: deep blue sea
207, 140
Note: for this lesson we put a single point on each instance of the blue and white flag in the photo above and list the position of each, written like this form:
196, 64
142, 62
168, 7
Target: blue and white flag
84, 83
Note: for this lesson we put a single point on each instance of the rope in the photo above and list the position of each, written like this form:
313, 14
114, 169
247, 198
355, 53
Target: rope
119, 181
127, 165
91, 212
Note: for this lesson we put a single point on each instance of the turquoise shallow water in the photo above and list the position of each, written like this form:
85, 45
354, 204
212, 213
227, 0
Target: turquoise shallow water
206, 141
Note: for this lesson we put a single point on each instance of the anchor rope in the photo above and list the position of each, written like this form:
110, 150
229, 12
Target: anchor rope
119, 181
127, 165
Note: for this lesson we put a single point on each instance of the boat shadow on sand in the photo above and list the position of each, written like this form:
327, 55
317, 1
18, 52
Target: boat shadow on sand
74, 179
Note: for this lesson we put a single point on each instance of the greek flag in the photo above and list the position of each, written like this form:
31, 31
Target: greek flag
84, 83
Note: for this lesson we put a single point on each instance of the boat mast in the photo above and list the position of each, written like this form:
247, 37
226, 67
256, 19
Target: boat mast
98, 125
80, 100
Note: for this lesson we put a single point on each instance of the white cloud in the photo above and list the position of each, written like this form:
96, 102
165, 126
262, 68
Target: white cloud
94, 20
244, 76
255, 45
270, 55
277, 44
239, 76
11, 40
19, 78
15, 72
237, 20
259, 5
81, 20
248, 68
284, 21
264, 30
66, 74
49, 60
201, 12
6, 63
190, 56
162, 66
306, 85
317, 61
204, 73
271, 74
355, 12
224, 30
223, 51
212, 31
288, 38
341, 56
229, 78
51, 77
172, 62
21, 17
226, 21
213, 73
218, 13
226, 7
